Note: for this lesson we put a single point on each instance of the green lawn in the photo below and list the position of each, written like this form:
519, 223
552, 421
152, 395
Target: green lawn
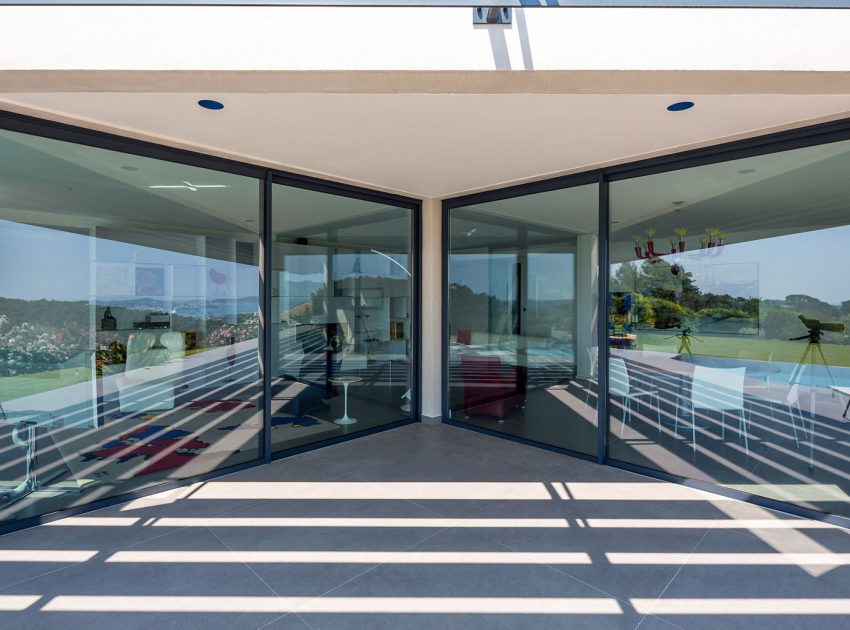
745, 347
14, 387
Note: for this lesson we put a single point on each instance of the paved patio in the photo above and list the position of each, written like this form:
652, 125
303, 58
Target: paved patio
428, 527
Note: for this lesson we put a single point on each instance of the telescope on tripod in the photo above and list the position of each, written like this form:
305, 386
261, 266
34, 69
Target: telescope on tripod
813, 349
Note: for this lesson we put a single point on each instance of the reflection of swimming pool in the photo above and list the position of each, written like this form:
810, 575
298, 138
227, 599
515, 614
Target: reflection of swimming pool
776, 371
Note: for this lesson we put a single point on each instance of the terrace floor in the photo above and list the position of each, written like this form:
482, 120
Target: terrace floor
428, 527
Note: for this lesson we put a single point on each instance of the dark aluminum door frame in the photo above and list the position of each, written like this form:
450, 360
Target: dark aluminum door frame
44, 128
813, 135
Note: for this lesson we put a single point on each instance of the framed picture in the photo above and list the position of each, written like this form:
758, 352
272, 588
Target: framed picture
150, 281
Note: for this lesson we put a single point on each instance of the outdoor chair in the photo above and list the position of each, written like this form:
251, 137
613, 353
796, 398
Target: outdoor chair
620, 384
718, 389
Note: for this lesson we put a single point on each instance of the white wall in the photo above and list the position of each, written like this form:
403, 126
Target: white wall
356, 38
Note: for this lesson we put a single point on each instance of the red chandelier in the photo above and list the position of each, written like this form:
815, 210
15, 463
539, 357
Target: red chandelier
710, 245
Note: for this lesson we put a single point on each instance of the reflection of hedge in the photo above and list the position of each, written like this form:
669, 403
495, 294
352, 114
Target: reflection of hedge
644, 311
28, 348
246, 328
668, 314
720, 312
780, 323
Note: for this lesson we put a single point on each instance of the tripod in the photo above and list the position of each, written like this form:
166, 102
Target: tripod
684, 338
811, 353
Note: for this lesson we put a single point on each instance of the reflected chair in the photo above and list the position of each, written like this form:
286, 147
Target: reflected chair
718, 389
791, 402
619, 384
593, 375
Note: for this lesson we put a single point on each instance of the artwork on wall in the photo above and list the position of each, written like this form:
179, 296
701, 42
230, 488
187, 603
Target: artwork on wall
150, 281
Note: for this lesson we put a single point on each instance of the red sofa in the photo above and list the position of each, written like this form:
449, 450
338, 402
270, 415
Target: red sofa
490, 389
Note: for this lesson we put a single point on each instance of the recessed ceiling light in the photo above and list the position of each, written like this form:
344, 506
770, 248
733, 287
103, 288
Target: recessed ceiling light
207, 103
680, 106
129, 168
746, 171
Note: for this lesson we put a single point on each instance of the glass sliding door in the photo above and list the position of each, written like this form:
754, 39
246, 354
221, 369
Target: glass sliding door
728, 324
522, 302
341, 316
128, 323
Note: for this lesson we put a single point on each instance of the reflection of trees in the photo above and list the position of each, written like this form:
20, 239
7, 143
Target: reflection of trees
26, 347
664, 300
475, 311
42, 335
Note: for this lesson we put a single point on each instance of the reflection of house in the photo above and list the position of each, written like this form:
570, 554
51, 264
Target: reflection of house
503, 242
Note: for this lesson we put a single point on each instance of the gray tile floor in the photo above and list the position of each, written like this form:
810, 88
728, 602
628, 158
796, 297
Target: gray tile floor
428, 527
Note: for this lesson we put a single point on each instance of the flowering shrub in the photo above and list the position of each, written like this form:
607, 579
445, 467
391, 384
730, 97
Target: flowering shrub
243, 330
28, 348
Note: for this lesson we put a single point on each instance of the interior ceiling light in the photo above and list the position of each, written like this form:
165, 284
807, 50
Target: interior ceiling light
680, 106
190, 186
207, 103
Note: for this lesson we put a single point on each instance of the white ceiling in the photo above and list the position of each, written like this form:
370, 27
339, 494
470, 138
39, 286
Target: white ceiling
436, 145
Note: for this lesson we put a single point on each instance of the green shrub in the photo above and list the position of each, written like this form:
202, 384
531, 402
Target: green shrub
718, 313
668, 314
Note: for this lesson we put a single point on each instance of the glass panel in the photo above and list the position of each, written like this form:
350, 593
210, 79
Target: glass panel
522, 316
128, 323
340, 316
730, 298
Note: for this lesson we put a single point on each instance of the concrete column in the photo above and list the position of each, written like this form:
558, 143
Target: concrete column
587, 287
431, 325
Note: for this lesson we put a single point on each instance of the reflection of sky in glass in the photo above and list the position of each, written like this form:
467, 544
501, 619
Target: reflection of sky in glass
811, 263
551, 275
44, 263
311, 267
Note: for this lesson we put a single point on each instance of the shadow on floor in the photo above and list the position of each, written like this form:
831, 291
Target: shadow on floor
428, 527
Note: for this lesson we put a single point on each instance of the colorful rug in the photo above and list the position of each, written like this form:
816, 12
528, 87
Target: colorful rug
168, 448
220, 405
295, 422
286, 428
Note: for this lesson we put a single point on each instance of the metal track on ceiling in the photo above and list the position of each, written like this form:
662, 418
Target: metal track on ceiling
693, 4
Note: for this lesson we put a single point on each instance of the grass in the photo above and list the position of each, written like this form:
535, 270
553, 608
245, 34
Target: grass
14, 387
745, 347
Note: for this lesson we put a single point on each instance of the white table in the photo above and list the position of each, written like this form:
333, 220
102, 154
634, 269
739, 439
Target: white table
345, 381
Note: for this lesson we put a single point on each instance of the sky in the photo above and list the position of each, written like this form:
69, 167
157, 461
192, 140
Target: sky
815, 263
43, 263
